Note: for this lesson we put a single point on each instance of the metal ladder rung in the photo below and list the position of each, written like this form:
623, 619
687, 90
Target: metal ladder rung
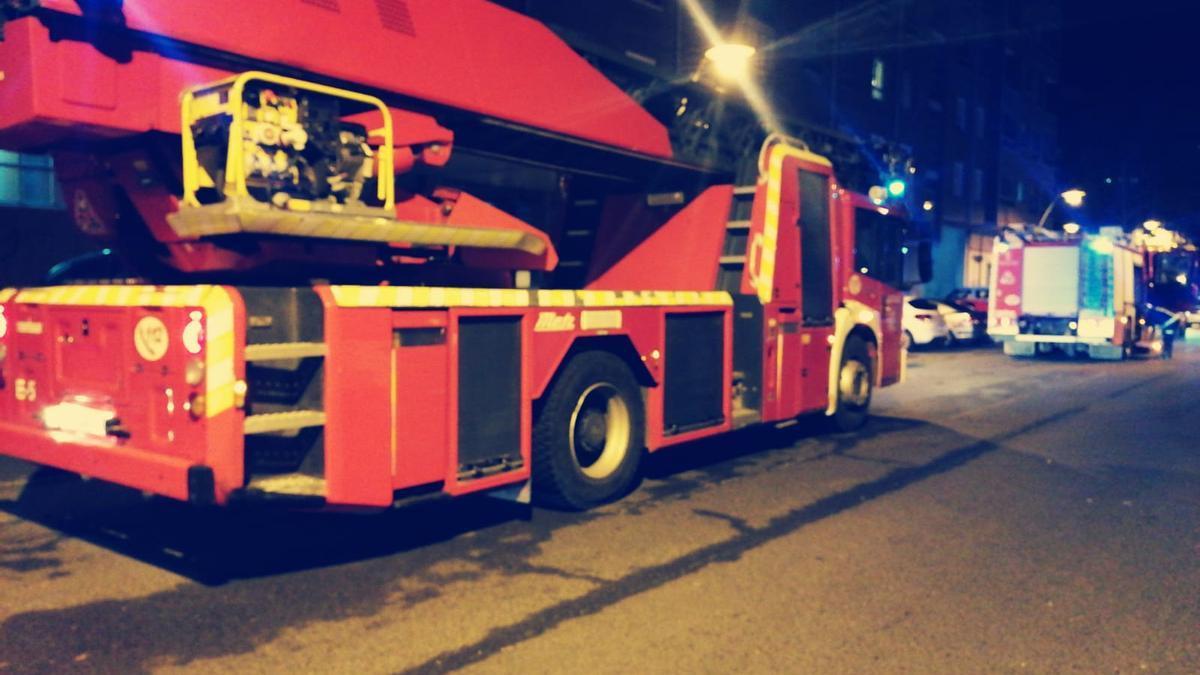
283, 421
745, 190
733, 260
274, 351
738, 225
745, 417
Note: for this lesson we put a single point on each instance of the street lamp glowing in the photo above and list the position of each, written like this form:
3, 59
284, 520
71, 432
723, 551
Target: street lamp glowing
928, 205
1103, 245
1152, 224
1073, 198
896, 187
1071, 228
730, 60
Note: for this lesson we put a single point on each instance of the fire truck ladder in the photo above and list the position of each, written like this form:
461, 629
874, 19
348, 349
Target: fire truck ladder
747, 323
737, 234
284, 425
577, 242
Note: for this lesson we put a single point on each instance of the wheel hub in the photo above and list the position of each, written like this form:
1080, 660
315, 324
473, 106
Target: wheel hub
600, 431
854, 383
591, 430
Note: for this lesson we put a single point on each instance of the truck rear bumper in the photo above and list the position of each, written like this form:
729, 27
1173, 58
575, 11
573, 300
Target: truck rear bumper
107, 460
1063, 339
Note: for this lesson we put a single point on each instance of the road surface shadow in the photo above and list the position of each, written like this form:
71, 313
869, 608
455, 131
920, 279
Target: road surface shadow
298, 568
214, 546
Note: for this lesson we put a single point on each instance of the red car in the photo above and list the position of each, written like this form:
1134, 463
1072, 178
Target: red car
975, 297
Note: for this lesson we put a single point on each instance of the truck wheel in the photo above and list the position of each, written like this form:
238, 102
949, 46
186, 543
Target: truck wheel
856, 382
587, 438
908, 342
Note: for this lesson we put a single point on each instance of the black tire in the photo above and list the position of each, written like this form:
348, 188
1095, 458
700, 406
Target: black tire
909, 343
589, 434
856, 384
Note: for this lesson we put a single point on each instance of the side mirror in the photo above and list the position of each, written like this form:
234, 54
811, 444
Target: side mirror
917, 265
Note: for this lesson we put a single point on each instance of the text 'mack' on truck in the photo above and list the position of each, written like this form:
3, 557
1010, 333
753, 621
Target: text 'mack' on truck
418, 247
1082, 295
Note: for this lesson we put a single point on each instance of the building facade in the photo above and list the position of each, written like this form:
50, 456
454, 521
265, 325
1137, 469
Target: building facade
954, 96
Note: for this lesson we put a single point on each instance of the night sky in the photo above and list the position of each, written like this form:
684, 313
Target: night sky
1129, 107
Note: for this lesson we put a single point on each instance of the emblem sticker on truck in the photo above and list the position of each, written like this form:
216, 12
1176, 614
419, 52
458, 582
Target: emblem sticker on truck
553, 322
150, 338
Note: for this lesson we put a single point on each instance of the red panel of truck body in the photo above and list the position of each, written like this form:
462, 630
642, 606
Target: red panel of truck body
636, 249
465, 54
86, 355
358, 398
48, 93
421, 399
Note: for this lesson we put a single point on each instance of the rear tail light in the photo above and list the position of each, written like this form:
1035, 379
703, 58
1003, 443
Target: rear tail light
193, 372
195, 405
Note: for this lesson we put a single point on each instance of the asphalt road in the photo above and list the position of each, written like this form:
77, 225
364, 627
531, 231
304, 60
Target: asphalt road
996, 516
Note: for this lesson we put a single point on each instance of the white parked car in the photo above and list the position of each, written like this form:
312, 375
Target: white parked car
923, 323
962, 325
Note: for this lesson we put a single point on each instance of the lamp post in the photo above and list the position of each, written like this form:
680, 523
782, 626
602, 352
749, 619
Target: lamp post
1073, 198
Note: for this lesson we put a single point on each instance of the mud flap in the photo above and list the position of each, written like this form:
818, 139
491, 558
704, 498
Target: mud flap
520, 493
1014, 348
1106, 352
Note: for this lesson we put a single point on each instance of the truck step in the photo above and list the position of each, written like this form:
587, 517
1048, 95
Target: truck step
745, 416
276, 351
745, 190
294, 484
738, 225
283, 421
733, 260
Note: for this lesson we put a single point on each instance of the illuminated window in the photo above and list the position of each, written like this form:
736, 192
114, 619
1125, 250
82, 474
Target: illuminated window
877, 70
28, 180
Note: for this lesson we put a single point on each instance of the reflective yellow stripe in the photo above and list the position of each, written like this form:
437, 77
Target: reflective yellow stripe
112, 296
770, 232
432, 296
7, 293
219, 350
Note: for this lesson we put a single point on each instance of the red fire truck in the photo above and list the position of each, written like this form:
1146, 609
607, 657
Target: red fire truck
319, 308
1084, 295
